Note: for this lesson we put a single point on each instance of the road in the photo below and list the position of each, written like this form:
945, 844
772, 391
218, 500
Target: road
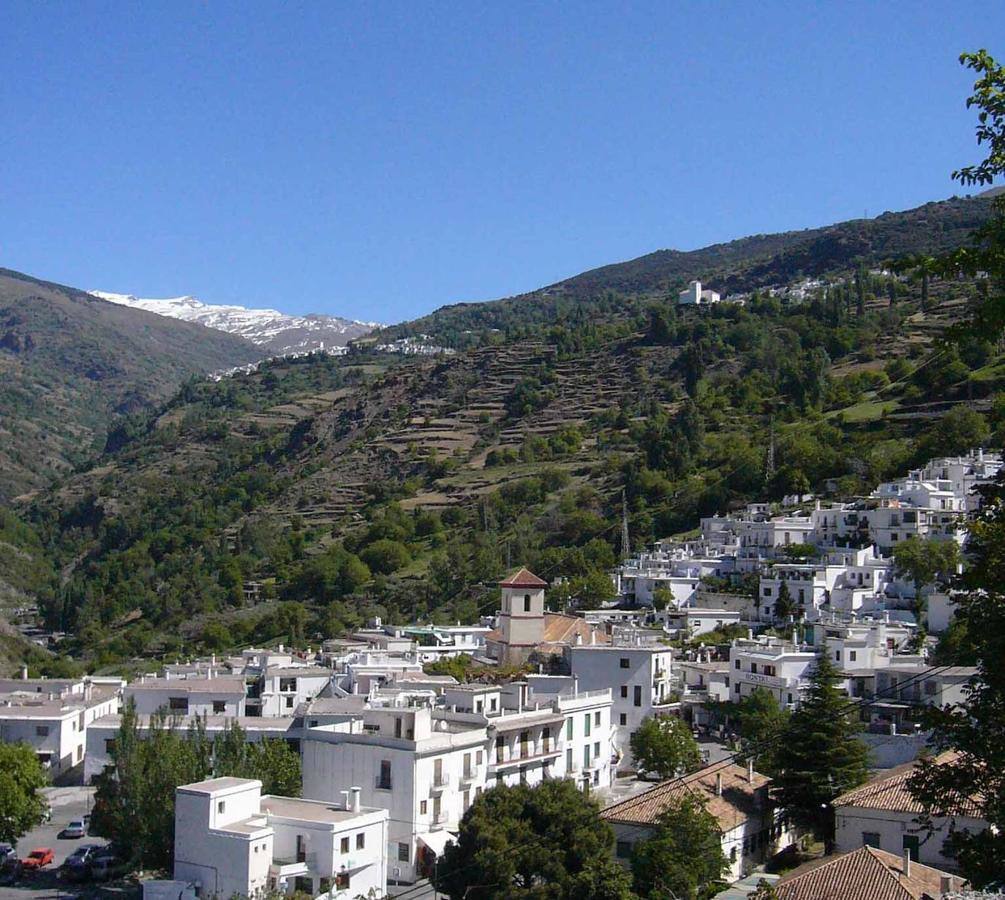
67, 803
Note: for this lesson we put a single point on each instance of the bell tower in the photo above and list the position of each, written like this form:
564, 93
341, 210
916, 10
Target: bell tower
521, 618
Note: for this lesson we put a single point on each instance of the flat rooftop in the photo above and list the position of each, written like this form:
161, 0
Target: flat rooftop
311, 810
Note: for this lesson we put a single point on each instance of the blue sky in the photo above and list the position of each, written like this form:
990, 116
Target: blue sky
381, 159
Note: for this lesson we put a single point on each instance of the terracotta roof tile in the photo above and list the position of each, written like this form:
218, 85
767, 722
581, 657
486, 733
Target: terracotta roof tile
523, 578
863, 874
739, 801
889, 792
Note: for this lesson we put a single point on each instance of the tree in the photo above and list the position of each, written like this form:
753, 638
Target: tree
975, 729
764, 890
21, 804
926, 561
542, 842
784, 607
385, 556
665, 746
684, 856
761, 723
820, 755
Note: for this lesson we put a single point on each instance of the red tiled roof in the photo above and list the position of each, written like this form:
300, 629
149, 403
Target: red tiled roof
523, 578
863, 874
889, 792
738, 801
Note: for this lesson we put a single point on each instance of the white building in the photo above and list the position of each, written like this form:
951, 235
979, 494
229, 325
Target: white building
736, 796
55, 723
224, 695
427, 764
281, 689
694, 295
884, 815
777, 666
233, 842
102, 733
639, 678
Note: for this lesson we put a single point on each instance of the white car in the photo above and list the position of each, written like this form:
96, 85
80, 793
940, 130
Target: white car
76, 829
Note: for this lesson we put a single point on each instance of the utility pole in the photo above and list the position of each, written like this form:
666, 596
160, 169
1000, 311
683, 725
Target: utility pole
626, 547
769, 462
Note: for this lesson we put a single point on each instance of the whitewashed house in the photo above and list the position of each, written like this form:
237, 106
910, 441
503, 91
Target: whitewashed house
883, 814
233, 842
219, 695
780, 667
281, 689
695, 295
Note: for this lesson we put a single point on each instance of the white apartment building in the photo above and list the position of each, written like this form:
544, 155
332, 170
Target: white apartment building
55, 724
777, 666
901, 688
427, 764
693, 621
281, 689
695, 295
639, 678
361, 671
223, 695
434, 642
102, 733
233, 842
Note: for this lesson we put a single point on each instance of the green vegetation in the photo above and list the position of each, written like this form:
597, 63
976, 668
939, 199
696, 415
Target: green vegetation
522, 843
820, 755
683, 857
21, 804
665, 747
135, 797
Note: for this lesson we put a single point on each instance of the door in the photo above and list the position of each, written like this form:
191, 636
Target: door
301, 849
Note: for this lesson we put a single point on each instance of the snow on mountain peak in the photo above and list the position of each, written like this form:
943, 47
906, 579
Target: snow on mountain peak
275, 332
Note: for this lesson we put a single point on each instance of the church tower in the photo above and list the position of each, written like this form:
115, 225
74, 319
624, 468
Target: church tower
521, 618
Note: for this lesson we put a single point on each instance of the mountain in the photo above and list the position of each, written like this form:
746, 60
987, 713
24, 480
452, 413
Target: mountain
70, 363
750, 263
275, 333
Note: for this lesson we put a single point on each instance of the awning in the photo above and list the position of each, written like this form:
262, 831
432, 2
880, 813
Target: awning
436, 840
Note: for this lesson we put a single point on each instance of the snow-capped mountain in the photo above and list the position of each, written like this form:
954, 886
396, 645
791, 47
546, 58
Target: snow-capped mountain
275, 332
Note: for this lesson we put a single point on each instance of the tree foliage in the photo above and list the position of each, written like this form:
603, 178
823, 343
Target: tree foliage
683, 858
820, 755
665, 747
527, 843
21, 803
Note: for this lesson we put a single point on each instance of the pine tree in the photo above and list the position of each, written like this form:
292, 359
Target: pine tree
821, 755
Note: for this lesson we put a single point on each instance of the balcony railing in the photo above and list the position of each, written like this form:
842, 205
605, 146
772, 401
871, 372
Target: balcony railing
441, 780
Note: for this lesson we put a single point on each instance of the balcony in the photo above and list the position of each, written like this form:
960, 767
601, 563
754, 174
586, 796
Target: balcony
441, 781
533, 754
471, 774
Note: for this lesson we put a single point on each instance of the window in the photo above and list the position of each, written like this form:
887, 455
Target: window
623, 849
41, 730
526, 602
623, 719
596, 750
596, 718
623, 662
586, 721
753, 668
930, 687
569, 728
852, 654
736, 664
500, 748
289, 702
423, 807
638, 696
178, 704
360, 840
109, 745
384, 779
911, 844
220, 807
492, 704
219, 706
871, 839
287, 684
344, 845
893, 536
586, 756
767, 592
402, 852
624, 691
479, 758
341, 881
837, 656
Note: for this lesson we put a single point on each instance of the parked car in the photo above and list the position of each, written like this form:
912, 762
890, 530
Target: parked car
76, 829
107, 865
6, 851
39, 858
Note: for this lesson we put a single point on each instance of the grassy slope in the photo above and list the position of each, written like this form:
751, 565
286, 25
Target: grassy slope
69, 363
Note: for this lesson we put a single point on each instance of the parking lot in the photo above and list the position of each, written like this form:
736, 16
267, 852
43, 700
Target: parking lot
66, 803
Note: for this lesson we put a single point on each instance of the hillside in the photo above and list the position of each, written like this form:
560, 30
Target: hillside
742, 265
70, 363
273, 332
329, 489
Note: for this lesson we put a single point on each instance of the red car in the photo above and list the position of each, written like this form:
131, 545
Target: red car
39, 858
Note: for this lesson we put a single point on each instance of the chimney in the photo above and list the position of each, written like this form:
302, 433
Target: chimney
593, 637
24, 673
718, 784
907, 863
750, 770
355, 798
946, 884
345, 799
